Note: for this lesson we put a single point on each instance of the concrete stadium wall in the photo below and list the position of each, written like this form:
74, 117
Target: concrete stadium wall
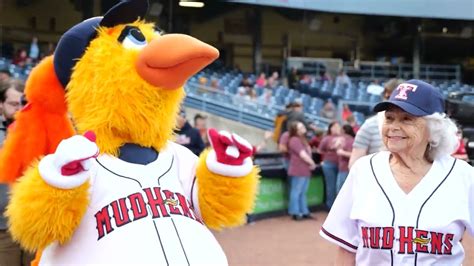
336, 35
15, 20
254, 135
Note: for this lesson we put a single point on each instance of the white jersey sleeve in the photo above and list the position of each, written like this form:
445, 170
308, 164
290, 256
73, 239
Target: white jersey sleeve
187, 163
470, 226
463, 192
339, 227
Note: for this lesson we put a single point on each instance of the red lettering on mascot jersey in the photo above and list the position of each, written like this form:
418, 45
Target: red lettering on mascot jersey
162, 204
410, 240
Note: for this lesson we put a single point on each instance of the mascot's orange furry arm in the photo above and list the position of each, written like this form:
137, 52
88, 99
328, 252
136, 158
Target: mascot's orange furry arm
124, 193
40, 126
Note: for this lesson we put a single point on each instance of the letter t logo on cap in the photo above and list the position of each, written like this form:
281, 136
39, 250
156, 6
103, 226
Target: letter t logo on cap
402, 90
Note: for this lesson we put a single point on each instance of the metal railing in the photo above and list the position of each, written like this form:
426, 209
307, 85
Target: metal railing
370, 70
386, 70
232, 107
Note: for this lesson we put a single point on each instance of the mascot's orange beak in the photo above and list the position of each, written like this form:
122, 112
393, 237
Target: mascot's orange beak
170, 60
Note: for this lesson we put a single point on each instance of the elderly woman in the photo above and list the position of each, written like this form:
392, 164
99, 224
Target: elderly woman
411, 204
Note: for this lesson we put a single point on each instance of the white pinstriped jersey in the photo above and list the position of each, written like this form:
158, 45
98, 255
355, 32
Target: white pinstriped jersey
374, 218
141, 214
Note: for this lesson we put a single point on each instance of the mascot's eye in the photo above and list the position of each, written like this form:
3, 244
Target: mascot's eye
132, 38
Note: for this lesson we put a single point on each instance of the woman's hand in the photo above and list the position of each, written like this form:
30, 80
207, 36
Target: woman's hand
337, 143
340, 152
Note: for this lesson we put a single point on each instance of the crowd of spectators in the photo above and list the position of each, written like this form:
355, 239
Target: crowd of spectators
300, 139
30, 54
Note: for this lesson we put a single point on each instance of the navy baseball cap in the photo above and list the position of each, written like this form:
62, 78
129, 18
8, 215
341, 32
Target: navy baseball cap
75, 41
415, 97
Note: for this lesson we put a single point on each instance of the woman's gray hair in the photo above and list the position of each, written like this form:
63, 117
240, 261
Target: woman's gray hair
443, 139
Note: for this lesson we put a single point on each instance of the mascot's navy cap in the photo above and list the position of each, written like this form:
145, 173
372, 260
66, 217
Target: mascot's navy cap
75, 41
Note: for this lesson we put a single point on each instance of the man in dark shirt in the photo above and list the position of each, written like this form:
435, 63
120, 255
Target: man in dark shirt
11, 92
188, 136
295, 114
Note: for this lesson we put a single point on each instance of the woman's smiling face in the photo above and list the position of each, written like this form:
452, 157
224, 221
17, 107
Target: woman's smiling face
404, 133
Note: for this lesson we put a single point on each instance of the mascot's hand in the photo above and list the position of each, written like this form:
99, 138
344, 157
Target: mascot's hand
230, 155
69, 166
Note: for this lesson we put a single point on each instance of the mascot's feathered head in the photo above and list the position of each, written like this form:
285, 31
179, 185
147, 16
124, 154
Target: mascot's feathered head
123, 79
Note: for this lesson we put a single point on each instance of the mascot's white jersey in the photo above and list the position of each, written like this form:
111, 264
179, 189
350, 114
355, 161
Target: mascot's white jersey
141, 214
383, 225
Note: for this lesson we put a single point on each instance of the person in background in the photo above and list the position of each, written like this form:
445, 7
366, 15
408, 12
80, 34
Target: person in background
11, 92
368, 139
261, 81
374, 88
266, 97
342, 80
200, 123
346, 112
299, 171
294, 114
252, 95
350, 120
21, 58
50, 49
326, 77
4, 85
246, 82
241, 96
293, 78
202, 87
5, 75
343, 154
329, 110
460, 152
215, 85
34, 53
327, 149
273, 80
10, 102
306, 79
188, 136
279, 123
316, 140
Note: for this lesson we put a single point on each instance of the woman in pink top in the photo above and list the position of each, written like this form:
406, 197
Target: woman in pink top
344, 153
261, 81
299, 170
328, 148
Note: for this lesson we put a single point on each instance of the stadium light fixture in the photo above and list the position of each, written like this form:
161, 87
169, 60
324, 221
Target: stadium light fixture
191, 3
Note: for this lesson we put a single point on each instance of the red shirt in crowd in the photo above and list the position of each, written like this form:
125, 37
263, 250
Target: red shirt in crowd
328, 148
298, 167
